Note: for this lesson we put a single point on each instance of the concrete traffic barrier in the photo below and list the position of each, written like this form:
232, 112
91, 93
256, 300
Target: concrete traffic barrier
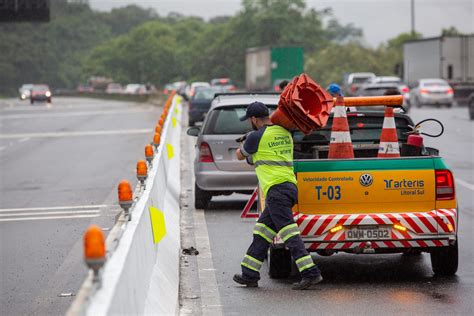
141, 274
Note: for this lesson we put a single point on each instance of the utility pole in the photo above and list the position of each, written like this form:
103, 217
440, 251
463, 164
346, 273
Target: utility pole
412, 17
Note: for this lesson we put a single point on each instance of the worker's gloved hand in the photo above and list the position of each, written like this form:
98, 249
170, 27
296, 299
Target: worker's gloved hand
242, 138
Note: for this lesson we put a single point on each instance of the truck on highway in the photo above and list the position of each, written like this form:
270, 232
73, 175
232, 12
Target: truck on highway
265, 67
449, 58
371, 205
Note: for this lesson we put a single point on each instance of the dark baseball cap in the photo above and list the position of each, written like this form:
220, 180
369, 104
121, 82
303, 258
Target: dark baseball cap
255, 109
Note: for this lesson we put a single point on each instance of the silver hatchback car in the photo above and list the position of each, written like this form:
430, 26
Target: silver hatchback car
216, 168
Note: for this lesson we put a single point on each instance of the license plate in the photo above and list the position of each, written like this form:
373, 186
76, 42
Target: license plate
368, 233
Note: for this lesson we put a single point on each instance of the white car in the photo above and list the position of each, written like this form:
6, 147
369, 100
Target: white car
401, 86
432, 92
191, 89
135, 88
25, 91
354, 80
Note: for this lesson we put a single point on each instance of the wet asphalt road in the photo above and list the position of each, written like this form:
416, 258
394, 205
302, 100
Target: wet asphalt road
353, 284
60, 165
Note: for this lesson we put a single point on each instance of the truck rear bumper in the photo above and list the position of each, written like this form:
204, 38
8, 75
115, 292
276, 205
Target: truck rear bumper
424, 230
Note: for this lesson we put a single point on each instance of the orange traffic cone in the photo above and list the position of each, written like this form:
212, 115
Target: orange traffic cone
341, 144
389, 146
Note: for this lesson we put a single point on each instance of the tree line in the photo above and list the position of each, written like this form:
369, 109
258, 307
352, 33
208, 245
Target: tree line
133, 44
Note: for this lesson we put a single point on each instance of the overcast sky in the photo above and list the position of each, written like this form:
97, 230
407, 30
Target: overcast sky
379, 19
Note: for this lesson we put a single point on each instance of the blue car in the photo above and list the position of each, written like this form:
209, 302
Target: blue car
201, 102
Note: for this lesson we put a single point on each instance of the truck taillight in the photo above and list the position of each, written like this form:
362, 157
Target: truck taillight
449, 91
405, 90
444, 185
205, 154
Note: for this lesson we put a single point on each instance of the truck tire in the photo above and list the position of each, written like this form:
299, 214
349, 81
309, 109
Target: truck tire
201, 198
279, 262
444, 261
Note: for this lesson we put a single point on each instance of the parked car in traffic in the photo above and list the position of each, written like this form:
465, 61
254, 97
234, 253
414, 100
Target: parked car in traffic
353, 81
40, 92
373, 88
135, 88
216, 168
191, 89
24, 91
83, 88
225, 82
114, 88
432, 92
180, 87
401, 86
200, 103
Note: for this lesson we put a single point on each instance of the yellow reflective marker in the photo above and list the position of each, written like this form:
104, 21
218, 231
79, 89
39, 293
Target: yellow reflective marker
158, 226
170, 150
174, 121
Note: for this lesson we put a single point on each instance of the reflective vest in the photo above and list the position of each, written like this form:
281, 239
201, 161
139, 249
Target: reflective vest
274, 158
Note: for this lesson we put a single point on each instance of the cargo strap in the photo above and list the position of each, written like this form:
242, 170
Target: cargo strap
251, 263
289, 231
274, 163
304, 263
264, 231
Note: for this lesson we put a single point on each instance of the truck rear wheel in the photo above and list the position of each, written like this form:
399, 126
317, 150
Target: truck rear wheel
279, 262
201, 197
444, 261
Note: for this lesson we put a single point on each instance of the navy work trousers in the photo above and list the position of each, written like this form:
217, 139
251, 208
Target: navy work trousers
276, 215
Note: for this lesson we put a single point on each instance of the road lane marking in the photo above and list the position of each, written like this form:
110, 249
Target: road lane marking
75, 207
465, 184
70, 114
24, 139
51, 213
46, 217
77, 134
210, 297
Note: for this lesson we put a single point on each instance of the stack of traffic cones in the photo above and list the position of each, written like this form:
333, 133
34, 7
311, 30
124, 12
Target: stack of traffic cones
341, 143
389, 147
303, 105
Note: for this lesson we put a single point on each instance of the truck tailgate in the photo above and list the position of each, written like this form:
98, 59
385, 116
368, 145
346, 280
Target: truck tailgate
366, 186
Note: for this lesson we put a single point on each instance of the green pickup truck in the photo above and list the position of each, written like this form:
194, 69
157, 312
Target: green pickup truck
370, 205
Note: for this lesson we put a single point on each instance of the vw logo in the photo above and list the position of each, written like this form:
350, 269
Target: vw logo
366, 179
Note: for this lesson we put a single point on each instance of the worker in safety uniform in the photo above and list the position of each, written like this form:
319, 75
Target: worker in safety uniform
270, 149
335, 90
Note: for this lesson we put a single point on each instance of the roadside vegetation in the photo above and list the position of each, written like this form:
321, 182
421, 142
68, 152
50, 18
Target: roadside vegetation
133, 44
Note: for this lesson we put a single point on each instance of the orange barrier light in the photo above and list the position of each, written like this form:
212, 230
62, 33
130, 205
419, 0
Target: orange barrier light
94, 250
125, 192
142, 171
158, 128
125, 195
388, 100
161, 121
156, 139
94, 243
149, 153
